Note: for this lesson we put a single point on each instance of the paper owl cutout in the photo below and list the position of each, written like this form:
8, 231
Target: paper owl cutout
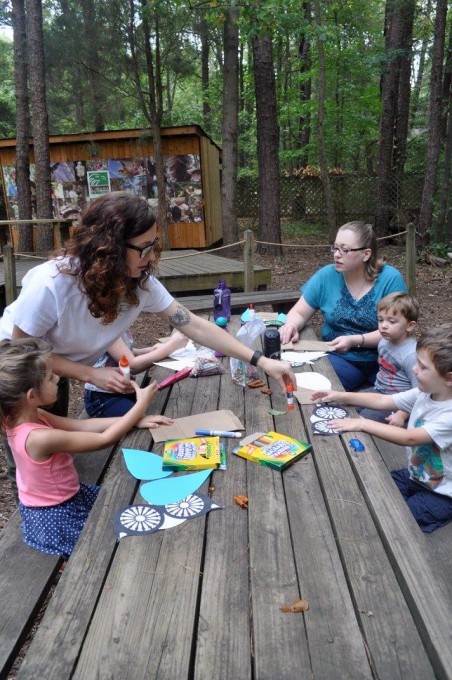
322, 414
138, 520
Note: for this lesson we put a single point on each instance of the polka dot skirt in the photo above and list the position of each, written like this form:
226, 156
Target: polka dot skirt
55, 529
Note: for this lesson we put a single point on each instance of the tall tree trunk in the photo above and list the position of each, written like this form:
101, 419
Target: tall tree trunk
388, 118
90, 30
404, 89
304, 123
40, 124
155, 110
428, 192
230, 125
445, 203
267, 142
421, 65
320, 130
205, 69
22, 126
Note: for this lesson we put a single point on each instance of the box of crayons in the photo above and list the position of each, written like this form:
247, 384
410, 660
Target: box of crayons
273, 450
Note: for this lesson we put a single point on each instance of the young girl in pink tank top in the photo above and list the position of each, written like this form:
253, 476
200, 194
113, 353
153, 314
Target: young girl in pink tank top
53, 503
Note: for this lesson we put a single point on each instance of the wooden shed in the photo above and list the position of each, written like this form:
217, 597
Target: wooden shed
86, 165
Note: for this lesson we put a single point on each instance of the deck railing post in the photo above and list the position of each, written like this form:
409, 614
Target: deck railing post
411, 258
10, 274
248, 260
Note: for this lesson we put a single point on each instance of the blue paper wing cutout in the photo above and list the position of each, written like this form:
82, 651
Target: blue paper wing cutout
137, 520
144, 464
164, 491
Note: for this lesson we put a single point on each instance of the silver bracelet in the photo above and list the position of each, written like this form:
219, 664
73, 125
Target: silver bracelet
362, 342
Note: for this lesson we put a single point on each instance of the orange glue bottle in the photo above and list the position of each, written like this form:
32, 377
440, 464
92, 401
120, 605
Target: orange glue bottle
124, 367
289, 394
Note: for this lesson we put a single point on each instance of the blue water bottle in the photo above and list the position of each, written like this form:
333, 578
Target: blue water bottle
222, 301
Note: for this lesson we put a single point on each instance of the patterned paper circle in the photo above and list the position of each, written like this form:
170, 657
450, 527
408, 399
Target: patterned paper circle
330, 412
188, 507
321, 426
141, 518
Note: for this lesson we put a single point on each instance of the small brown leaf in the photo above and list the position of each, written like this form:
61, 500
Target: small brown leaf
256, 383
296, 606
266, 390
242, 501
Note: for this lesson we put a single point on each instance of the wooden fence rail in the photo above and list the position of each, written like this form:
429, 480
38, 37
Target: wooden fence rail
248, 262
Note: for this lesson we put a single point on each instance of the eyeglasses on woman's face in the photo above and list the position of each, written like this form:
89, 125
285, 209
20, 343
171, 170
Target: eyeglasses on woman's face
345, 251
147, 250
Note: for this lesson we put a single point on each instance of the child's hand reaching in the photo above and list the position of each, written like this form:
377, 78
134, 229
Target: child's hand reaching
347, 424
397, 419
145, 394
329, 396
153, 422
177, 341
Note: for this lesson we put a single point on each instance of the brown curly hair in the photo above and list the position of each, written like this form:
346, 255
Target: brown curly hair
97, 252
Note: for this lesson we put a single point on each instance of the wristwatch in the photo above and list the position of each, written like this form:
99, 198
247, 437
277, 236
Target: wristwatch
255, 358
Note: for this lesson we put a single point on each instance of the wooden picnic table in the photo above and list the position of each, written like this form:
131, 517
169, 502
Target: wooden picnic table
203, 600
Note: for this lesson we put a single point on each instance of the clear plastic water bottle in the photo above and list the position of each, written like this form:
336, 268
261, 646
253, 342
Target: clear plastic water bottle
222, 301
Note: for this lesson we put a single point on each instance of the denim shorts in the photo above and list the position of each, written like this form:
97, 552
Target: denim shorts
106, 404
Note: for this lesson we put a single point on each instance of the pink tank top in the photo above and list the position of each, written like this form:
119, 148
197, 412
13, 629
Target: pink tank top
50, 482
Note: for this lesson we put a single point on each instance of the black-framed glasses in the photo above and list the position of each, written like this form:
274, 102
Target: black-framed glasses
345, 251
144, 252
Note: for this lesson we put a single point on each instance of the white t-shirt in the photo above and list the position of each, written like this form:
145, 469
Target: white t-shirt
429, 464
52, 307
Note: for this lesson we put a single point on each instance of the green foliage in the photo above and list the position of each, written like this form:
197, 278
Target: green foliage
291, 229
7, 98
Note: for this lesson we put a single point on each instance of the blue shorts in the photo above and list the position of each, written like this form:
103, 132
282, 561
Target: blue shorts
54, 529
431, 510
107, 404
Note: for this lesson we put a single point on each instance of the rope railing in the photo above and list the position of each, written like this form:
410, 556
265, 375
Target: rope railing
249, 248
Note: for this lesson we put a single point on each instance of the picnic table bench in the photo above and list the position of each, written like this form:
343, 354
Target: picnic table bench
280, 300
203, 600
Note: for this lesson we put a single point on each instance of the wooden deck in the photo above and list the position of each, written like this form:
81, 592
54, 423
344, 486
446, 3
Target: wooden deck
203, 600
195, 271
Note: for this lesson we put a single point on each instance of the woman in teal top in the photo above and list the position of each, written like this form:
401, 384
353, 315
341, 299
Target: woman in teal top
347, 293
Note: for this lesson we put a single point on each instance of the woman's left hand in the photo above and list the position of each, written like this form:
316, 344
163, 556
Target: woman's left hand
342, 344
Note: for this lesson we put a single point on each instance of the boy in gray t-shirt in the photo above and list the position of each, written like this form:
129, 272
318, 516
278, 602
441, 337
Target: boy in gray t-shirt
397, 317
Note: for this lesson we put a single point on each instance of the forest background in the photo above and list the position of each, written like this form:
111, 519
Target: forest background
297, 88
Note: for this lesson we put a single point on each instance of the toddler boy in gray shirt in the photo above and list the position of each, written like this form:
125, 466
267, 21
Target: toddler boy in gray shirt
397, 317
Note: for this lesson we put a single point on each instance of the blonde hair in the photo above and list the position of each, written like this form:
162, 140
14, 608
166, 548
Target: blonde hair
404, 304
23, 366
367, 239
438, 343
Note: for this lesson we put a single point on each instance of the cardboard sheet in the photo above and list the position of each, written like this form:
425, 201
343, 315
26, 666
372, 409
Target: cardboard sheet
307, 384
308, 346
224, 420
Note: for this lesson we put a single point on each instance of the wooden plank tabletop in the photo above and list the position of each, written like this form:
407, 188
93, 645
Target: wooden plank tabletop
202, 600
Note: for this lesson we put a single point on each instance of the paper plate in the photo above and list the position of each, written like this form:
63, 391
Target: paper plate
313, 381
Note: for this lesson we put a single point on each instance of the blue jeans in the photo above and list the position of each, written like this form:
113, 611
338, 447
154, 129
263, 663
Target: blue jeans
106, 404
430, 510
353, 374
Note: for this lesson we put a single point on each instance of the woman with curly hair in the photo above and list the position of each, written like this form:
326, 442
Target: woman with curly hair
83, 301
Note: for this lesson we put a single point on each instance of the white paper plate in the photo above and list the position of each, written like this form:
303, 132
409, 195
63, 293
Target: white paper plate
313, 381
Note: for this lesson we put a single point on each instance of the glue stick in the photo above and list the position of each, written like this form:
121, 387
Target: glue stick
124, 367
289, 394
